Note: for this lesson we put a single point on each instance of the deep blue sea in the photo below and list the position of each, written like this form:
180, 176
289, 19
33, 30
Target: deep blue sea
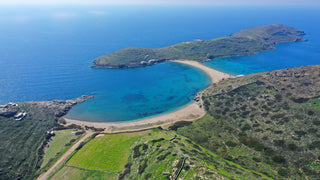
45, 54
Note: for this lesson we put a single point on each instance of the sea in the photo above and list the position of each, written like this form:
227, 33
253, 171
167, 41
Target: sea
46, 53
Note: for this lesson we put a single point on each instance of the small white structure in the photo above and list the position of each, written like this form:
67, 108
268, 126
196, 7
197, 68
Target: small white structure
13, 104
20, 116
143, 62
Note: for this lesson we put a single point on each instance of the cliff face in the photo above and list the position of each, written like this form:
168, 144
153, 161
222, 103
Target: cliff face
245, 42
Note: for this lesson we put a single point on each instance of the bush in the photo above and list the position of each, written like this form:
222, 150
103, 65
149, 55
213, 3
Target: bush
300, 133
79, 133
292, 147
179, 124
148, 176
136, 152
163, 156
278, 159
279, 142
231, 144
81, 145
157, 140
283, 172
142, 166
316, 122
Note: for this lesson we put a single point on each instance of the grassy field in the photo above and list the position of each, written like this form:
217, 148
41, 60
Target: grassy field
61, 142
107, 152
70, 173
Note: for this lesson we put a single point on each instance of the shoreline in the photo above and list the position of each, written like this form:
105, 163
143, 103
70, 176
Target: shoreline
189, 112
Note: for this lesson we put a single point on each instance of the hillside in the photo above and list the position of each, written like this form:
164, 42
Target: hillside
245, 42
269, 122
23, 138
152, 154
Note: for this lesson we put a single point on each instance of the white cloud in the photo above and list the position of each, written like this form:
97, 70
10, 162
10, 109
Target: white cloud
63, 15
98, 13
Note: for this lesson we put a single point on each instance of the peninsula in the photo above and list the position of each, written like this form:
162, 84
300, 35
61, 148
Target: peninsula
242, 43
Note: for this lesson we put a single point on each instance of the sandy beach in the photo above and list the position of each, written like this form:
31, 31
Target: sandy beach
187, 113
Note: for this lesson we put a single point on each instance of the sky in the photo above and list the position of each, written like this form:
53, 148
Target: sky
165, 2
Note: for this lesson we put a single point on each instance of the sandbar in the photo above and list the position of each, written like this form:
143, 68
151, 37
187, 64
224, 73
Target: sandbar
189, 112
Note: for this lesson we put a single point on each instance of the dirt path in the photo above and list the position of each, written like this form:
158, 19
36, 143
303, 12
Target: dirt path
45, 175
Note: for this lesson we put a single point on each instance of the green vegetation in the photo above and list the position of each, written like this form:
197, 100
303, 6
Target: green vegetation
62, 141
107, 153
71, 173
268, 122
23, 140
243, 43
21, 147
154, 154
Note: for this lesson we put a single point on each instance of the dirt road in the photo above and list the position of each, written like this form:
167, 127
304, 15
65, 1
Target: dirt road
45, 175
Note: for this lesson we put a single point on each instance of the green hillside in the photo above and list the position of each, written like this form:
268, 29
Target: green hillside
242, 43
23, 139
153, 154
267, 122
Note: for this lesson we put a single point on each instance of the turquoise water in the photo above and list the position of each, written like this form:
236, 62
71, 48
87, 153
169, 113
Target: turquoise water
46, 52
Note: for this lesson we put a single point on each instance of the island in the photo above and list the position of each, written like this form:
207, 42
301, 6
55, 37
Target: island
242, 43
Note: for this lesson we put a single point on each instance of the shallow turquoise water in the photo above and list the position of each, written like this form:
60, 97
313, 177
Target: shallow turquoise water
46, 52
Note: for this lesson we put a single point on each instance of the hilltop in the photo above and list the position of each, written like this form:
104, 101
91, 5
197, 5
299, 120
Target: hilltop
245, 42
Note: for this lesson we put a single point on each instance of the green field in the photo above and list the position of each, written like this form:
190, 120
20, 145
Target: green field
59, 144
70, 173
107, 152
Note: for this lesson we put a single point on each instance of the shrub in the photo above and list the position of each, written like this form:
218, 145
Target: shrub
246, 127
163, 156
314, 144
136, 152
81, 145
300, 133
148, 176
144, 147
278, 132
157, 140
79, 133
142, 166
316, 122
279, 142
231, 144
179, 124
310, 113
292, 147
283, 172
278, 159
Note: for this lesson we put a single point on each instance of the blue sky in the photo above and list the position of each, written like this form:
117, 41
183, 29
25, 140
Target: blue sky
165, 2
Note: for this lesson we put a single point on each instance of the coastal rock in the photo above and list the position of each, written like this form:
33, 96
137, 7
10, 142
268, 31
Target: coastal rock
60, 107
8, 110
